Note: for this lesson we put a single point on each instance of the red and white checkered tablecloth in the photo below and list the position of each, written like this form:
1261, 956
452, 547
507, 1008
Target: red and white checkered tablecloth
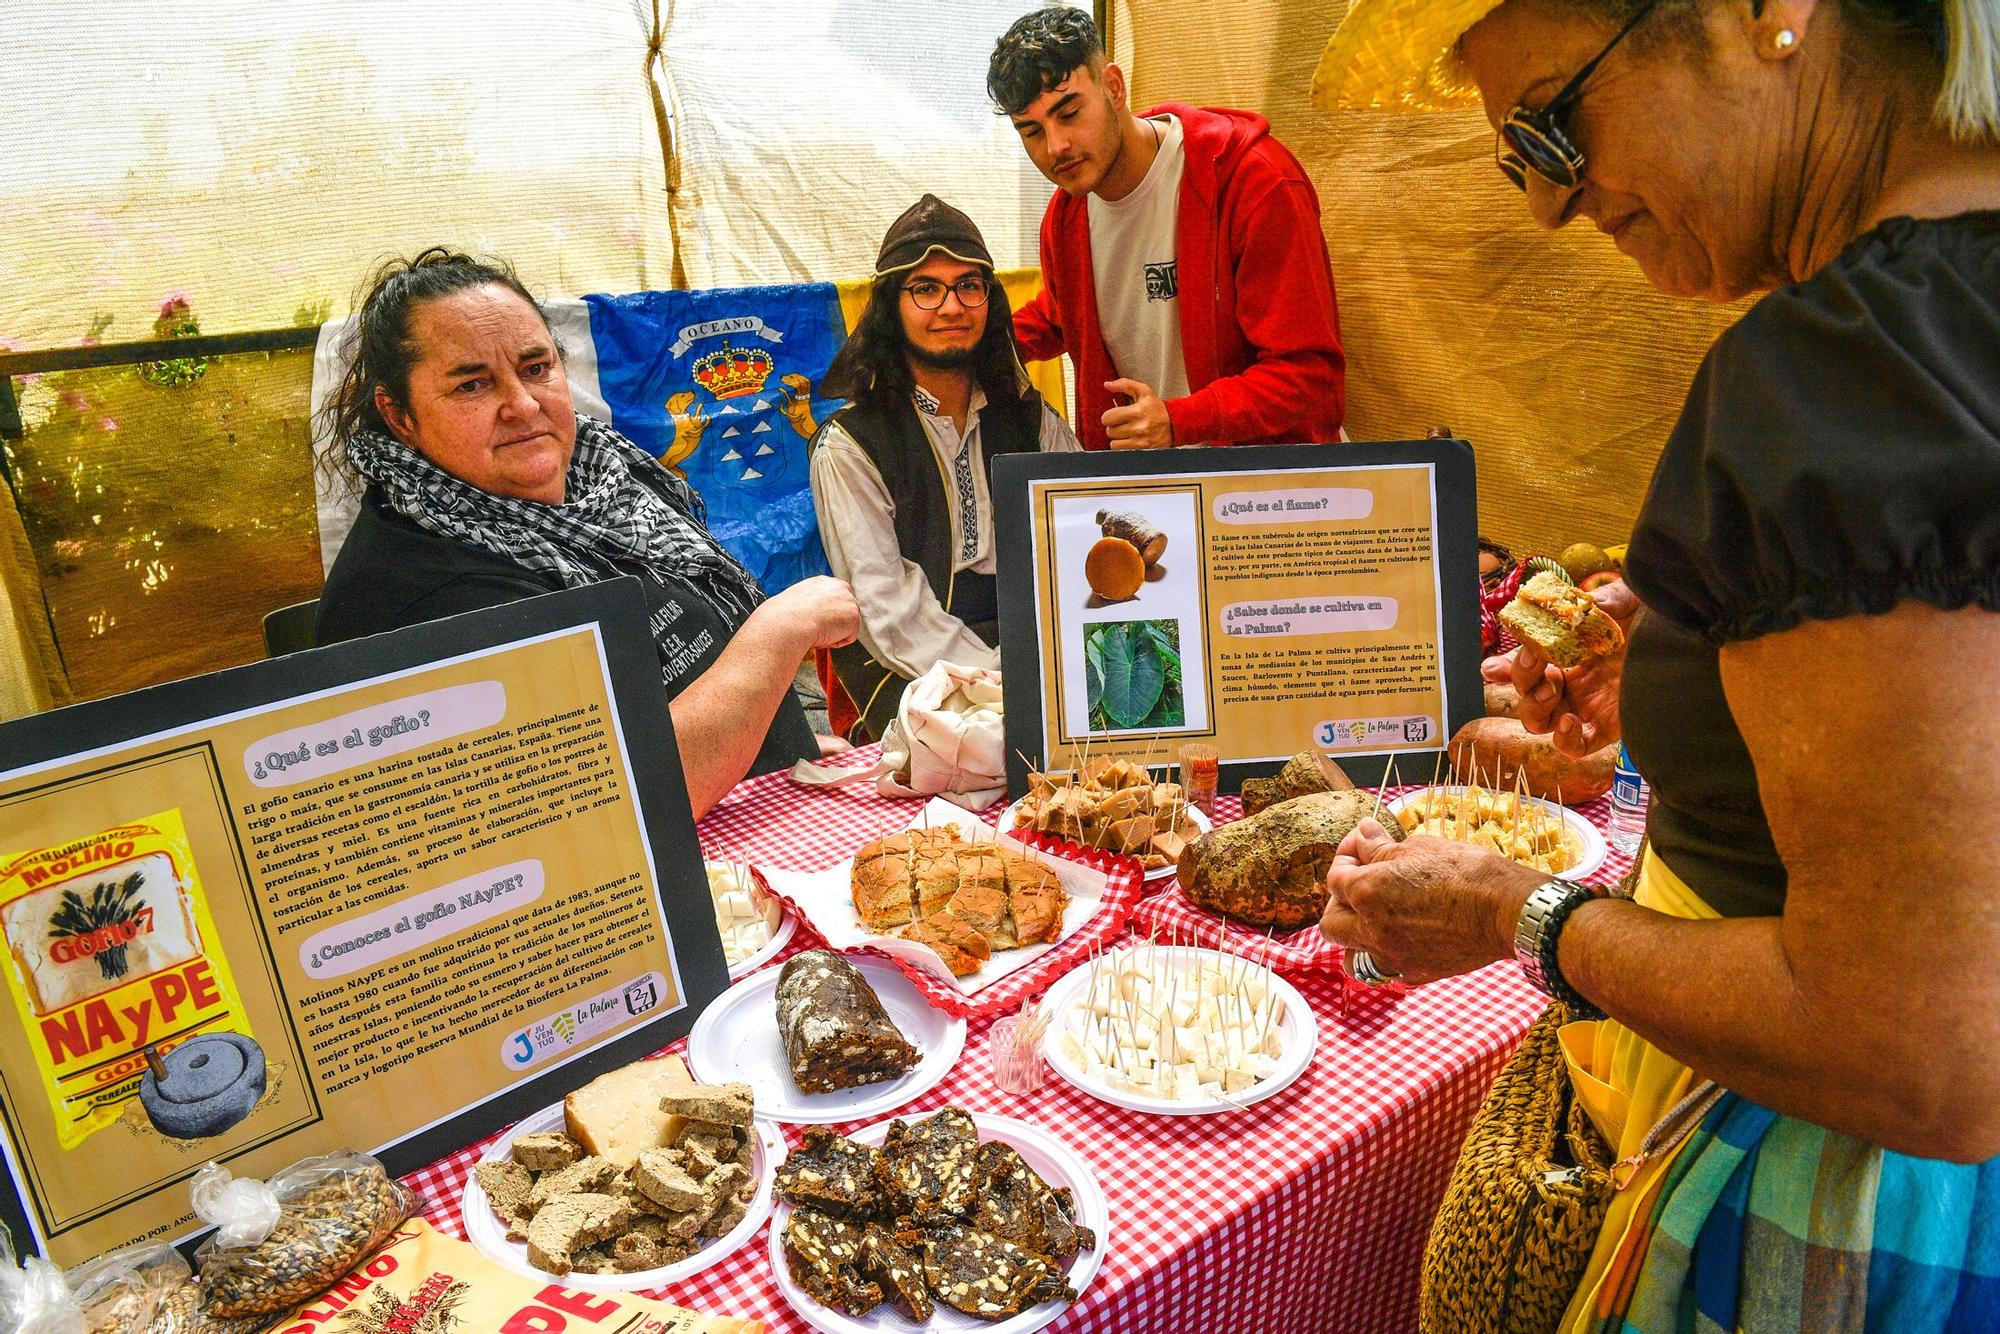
1304, 1212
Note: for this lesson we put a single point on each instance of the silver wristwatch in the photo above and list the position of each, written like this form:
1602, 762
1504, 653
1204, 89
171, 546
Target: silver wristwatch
1534, 933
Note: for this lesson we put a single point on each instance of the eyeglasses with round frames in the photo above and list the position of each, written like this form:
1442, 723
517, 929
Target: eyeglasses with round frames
928, 293
1535, 141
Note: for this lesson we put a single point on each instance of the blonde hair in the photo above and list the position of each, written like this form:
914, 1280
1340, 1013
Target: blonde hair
1969, 104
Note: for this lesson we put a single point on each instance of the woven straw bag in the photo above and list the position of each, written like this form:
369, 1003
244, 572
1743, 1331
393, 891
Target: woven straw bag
1524, 1206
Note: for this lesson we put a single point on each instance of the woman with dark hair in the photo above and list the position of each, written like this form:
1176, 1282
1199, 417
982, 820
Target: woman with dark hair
899, 477
1789, 1041
484, 486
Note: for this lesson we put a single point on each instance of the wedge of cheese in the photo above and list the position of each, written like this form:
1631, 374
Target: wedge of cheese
618, 1116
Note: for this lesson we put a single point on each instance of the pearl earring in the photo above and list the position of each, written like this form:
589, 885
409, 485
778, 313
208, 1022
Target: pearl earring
1785, 40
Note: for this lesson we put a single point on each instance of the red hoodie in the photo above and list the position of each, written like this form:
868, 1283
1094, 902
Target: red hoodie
1261, 339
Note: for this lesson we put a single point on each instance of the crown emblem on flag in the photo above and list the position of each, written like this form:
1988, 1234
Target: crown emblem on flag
731, 372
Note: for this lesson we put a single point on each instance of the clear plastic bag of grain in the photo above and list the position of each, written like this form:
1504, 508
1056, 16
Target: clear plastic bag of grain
129, 1290
286, 1240
143, 1289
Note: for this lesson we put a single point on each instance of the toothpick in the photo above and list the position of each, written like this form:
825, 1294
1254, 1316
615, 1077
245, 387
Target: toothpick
1514, 821
1376, 813
1242, 1004
1146, 759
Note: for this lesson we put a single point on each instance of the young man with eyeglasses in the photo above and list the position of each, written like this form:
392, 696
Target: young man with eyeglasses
1183, 266
899, 477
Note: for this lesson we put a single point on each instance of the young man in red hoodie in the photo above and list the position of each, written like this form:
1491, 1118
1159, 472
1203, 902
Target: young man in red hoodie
1183, 267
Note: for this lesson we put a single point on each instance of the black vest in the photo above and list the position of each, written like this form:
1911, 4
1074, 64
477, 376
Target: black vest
925, 497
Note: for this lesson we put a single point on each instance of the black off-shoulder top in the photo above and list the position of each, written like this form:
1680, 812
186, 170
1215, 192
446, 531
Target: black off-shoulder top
1839, 453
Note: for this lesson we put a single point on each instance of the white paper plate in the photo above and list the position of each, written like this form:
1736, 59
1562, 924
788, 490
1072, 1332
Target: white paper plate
736, 1040
788, 926
491, 1238
1298, 1033
1201, 822
1057, 1164
1594, 848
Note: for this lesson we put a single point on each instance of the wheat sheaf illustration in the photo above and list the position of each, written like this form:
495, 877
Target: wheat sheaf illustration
382, 1312
108, 922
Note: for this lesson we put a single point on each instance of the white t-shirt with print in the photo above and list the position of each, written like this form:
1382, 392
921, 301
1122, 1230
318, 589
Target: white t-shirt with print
1135, 262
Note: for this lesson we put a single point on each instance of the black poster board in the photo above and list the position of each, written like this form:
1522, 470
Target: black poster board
436, 878
1307, 596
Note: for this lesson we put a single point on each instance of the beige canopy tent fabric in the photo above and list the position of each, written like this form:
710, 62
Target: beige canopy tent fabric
802, 131
1547, 350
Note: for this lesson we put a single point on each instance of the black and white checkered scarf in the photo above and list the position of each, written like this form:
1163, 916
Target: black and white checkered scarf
608, 515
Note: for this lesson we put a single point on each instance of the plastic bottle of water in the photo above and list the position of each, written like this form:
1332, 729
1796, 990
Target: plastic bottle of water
1629, 795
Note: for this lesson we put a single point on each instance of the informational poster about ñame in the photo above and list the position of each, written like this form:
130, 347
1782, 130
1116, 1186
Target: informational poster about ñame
1264, 600
351, 899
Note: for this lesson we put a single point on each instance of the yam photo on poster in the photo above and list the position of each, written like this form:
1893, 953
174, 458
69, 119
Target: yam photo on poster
1129, 612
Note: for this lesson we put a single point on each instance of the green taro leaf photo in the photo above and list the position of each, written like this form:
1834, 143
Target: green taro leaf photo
1132, 675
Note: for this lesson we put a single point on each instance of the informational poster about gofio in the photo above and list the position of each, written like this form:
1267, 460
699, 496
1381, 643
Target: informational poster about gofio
1265, 600
387, 895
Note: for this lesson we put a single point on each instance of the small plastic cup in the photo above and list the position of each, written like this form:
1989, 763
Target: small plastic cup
1200, 769
1015, 1069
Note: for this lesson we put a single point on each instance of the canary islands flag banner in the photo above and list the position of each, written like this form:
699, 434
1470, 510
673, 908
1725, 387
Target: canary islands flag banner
722, 386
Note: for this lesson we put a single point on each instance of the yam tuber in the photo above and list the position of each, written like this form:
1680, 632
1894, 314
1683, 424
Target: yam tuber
1137, 529
1114, 569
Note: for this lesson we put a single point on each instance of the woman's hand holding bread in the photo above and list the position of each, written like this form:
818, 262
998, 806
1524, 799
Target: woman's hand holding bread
1577, 706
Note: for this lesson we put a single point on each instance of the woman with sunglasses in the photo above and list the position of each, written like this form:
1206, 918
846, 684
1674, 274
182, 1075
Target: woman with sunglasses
1790, 1042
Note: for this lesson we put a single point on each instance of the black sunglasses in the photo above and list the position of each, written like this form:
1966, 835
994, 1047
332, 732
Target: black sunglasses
1534, 140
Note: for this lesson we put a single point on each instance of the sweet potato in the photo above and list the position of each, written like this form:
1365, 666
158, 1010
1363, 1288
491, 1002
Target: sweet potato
1114, 569
1269, 870
1492, 750
1502, 701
